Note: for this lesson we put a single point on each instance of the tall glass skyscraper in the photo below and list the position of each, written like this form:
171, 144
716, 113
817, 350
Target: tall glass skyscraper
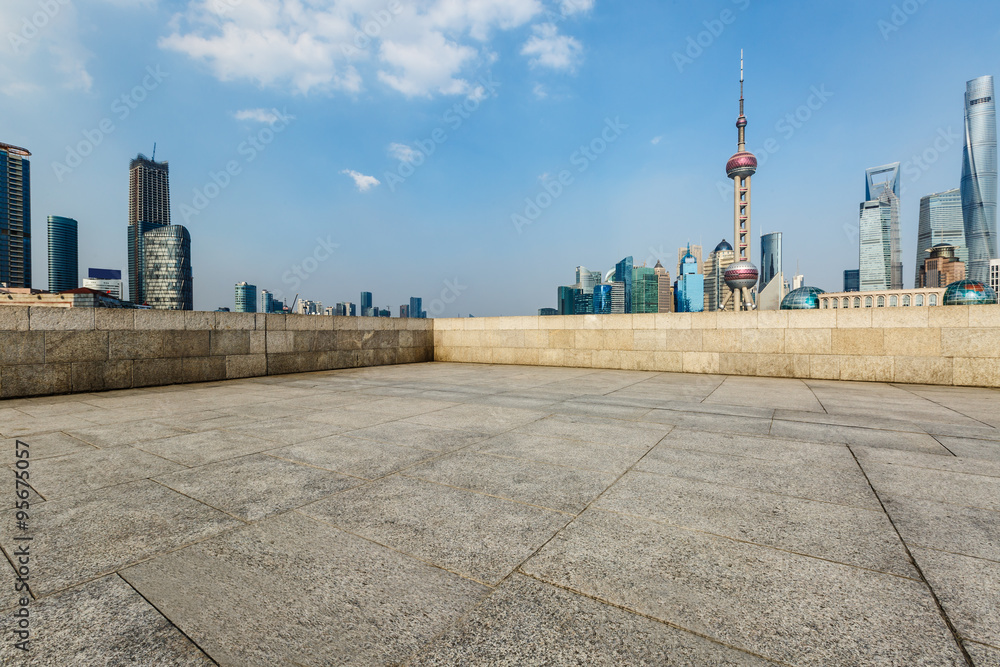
15, 216
623, 274
417, 308
602, 299
882, 184
148, 209
566, 300
64, 263
875, 255
246, 298
168, 277
366, 305
770, 258
689, 292
979, 177
852, 280
645, 290
266, 302
941, 222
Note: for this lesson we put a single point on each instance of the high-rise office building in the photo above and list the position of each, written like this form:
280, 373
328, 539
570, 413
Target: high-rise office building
108, 281
64, 262
566, 300
696, 252
664, 289
941, 268
366, 305
770, 258
417, 308
852, 280
148, 209
979, 177
617, 298
167, 274
583, 303
246, 298
602, 298
404, 311
623, 274
587, 279
717, 292
15, 216
941, 222
645, 290
266, 302
875, 255
995, 275
689, 292
882, 185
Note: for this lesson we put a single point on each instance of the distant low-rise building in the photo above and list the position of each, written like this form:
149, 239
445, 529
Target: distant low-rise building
942, 268
883, 298
547, 312
108, 281
81, 297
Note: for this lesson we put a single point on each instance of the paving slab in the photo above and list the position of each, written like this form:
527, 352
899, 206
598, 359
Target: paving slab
838, 485
256, 486
368, 459
964, 530
783, 606
982, 655
48, 445
18, 424
555, 487
287, 431
972, 466
479, 418
703, 421
859, 537
63, 476
939, 485
762, 447
973, 448
865, 437
196, 449
104, 622
527, 622
418, 435
126, 433
291, 590
475, 535
598, 429
400, 407
969, 591
564, 452
99, 532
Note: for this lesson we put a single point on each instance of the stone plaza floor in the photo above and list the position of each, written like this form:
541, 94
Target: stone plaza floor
449, 514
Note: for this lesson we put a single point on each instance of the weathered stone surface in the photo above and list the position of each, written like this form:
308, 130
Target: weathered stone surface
101, 375
355, 603
230, 342
178, 343
70, 346
45, 318
21, 347
85, 471
14, 318
967, 588
35, 380
135, 344
350, 456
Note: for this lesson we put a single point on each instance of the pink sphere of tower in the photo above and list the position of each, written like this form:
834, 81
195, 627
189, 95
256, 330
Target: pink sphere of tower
741, 275
741, 165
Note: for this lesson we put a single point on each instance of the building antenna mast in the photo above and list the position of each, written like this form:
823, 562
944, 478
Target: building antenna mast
154, 152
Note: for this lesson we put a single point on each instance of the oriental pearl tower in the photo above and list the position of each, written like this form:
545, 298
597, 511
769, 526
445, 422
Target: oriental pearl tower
742, 275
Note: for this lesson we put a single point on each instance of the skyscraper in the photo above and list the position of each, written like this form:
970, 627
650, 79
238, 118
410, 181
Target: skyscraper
882, 184
741, 167
64, 263
665, 291
587, 279
417, 308
566, 300
696, 252
645, 290
941, 222
995, 275
875, 244
148, 209
852, 280
246, 298
167, 274
979, 177
366, 305
623, 274
770, 258
266, 302
15, 216
617, 298
689, 292
941, 268
583, 303
602, 299
717, 292
105, 280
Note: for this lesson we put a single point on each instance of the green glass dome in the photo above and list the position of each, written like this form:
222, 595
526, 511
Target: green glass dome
969, 293
803, 298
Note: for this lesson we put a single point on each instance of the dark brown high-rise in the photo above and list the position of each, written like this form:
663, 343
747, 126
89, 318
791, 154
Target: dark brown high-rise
148, 208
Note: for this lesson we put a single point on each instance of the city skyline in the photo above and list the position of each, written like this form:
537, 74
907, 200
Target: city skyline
637, 190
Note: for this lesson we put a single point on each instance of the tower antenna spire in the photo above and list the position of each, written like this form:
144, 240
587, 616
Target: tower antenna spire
154, 151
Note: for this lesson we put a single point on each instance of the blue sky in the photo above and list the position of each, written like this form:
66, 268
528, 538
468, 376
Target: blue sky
307, 103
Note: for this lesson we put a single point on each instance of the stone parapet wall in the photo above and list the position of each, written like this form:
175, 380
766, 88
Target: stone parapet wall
945, 345
58, 350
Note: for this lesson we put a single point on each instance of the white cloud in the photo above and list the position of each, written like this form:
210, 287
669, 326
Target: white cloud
539, 91
268, 116
40, 48
570, 7
656, 140
363, 182
420, 49
402, 152
547, 48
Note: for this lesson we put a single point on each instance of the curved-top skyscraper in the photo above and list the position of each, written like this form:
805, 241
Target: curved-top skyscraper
979, 177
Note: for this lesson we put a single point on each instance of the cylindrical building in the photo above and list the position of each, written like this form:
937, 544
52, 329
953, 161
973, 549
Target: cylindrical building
64, 263
168, 275
979, 177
